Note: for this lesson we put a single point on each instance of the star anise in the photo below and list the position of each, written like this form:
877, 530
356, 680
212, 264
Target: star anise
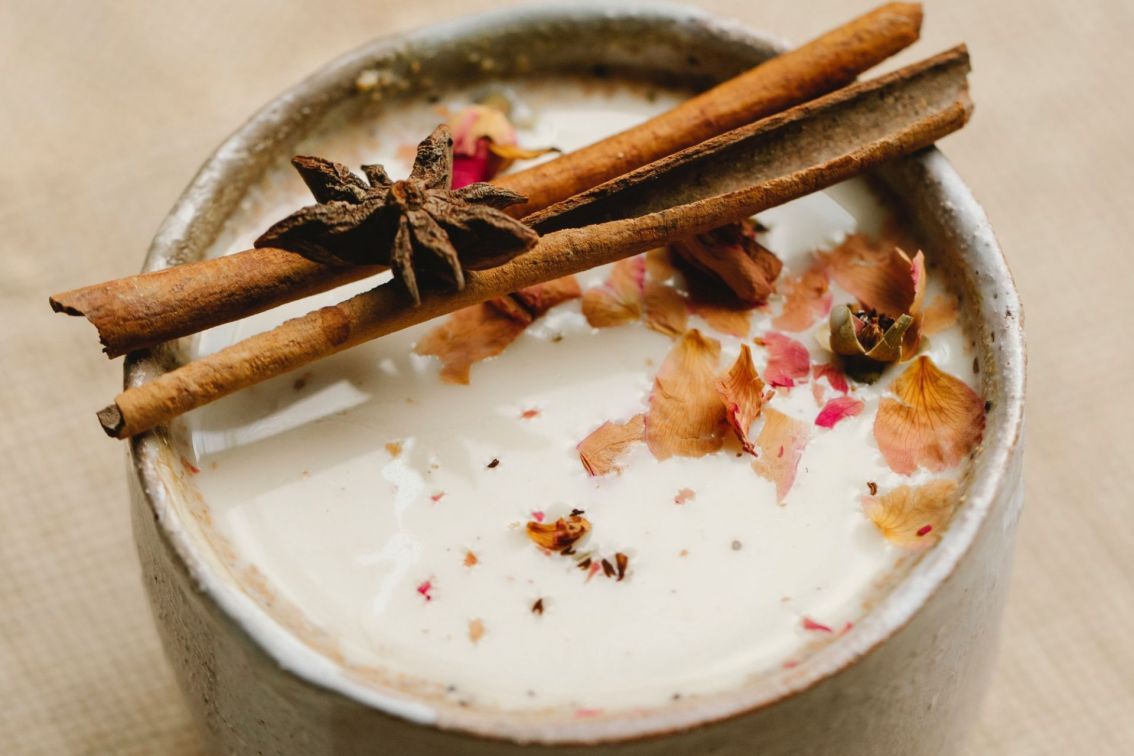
420, 227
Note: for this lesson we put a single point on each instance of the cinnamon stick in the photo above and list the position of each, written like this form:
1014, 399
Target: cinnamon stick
862, 126
140, 311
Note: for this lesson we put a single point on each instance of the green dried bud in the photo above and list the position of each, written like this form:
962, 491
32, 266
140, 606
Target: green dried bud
867, 339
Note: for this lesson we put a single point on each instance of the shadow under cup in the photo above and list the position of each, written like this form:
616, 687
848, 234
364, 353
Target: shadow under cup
908, 680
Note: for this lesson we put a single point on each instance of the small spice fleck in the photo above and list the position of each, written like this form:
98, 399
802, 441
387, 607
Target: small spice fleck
873, 487
476, 630
622, 562
537, 515
537, 607
394, 448
528, 414
299, 384
192, 468
684, 495
810, 624
924, 530
425, 589
607, 568
471, 559
436, 497
494, 463
737, 545
584, 563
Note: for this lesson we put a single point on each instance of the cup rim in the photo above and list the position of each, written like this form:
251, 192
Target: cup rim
179, 240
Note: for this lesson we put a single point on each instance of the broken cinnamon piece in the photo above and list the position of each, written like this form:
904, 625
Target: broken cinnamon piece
686, 416
731, 255
600, 450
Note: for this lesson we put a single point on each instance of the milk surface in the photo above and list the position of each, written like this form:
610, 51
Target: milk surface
360, 486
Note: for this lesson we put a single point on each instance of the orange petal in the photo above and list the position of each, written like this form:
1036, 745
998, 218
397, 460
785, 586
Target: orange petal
807, 298
781, 442
742, 392
658, 265
731, 255
788, 360
467, 336
599, 451
913, 517
939, 314
723, 318
485, 330
686, 415
665, 310
540, 298
619, 300
879, 275
934, 423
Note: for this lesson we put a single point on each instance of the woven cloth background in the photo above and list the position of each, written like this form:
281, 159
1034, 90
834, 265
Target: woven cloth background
108, 109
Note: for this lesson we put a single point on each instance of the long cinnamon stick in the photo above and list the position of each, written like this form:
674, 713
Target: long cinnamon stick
140, 311
861, 127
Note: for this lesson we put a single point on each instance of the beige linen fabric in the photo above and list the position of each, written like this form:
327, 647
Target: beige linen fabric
108, 109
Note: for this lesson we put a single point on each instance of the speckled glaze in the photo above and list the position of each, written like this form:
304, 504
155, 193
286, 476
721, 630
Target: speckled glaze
907, 680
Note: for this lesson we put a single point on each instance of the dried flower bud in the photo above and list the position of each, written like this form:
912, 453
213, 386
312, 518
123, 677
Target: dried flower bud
560, 535
867, 339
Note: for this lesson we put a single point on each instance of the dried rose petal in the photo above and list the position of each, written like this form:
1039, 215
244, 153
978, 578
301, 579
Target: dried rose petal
665, 309
810, 624
934, 423
939, 314
467, 336
834, 375
879, 275
781, 443
838, 409
599, 451
807, 298
659, 266
484, 144
788, 360
542, 297
686, 416
913, 517
559, 535
731, 255
723, 318
476, 333
619, 300
742, 392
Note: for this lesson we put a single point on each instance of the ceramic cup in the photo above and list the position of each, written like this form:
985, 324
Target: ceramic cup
909, 678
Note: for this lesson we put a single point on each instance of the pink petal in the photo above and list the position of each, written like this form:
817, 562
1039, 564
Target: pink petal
837, 409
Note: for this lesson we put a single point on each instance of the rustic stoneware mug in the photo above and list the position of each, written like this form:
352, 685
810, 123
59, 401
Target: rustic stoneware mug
908, 680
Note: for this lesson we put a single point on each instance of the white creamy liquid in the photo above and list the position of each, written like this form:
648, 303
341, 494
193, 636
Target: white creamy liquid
299, 478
